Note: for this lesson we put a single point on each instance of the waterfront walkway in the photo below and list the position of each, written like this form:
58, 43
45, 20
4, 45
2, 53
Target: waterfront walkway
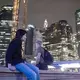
6, 74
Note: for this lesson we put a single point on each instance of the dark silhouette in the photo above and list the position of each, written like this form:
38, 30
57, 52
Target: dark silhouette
14, 58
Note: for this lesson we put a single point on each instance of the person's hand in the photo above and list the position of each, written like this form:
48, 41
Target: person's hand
10, 67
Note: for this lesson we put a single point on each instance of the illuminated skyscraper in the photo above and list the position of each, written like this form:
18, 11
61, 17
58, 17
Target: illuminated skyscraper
57, 39
5, 30
77, 19
20, 20
19, 15
77, 16
11, 19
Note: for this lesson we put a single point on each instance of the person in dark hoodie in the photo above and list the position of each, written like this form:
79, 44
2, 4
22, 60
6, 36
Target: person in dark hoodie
14, 60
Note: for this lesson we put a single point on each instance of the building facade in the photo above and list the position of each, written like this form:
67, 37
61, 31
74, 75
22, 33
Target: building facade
5, 30
77, 19
59, 40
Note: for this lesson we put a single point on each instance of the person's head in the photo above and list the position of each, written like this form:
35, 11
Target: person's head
20, 34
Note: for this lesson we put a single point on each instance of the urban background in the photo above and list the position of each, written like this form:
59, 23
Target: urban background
58, 21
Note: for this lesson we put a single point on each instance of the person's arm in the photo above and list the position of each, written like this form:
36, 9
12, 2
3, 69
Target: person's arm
38, 58
10, 52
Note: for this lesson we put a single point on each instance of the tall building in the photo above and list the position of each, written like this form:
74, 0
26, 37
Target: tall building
6, 12
19, 15
57, 39
12, 17
20, 20
77, 19
5, 30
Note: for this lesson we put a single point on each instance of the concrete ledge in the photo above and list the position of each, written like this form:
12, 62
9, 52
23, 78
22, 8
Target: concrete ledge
6, 74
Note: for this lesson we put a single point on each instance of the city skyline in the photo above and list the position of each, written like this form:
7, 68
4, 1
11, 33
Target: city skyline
29, 16
51, 13
5, 2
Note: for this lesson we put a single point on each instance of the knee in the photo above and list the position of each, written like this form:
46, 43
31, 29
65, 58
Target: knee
33, 75
37, 70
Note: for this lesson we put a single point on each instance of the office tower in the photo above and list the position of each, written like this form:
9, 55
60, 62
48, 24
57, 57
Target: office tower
77, 19
5, 30
57, 39
6, 12
19, 15
20, 21
12, 17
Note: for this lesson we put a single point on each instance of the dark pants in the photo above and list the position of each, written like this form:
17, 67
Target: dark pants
42, 66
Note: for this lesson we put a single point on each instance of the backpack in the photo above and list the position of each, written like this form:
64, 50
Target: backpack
48, 59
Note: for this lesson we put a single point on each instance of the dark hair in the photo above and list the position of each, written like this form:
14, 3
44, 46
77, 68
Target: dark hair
20, 33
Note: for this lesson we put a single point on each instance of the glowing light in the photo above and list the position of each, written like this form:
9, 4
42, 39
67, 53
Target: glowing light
50, 67
45, 23
72, 65
30, 25
78, 23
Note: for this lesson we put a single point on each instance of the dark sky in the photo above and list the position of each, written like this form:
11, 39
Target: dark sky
52, 10
5, 2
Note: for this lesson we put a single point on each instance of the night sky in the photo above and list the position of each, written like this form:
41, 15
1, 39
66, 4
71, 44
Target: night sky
52, 10
6, 2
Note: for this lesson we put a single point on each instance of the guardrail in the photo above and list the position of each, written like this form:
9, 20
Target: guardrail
6, 74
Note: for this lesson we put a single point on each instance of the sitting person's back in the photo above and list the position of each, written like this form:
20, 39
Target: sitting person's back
42, 59
40, 63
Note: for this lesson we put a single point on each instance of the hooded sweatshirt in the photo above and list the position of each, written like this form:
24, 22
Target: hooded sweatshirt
13, 53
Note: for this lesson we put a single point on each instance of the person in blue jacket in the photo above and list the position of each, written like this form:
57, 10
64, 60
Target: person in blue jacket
14, 60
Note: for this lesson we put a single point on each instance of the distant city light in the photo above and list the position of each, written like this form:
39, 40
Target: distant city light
78, 23
71, 65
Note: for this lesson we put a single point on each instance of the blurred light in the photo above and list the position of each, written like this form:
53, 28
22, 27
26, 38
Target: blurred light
3, 49
33, 62
72, 65
24, 1
7, 38
30, 26
62, 69
67, 25
78, 23
45, 24
65, 49
7, 34
79, 32
50, 67
46, 43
